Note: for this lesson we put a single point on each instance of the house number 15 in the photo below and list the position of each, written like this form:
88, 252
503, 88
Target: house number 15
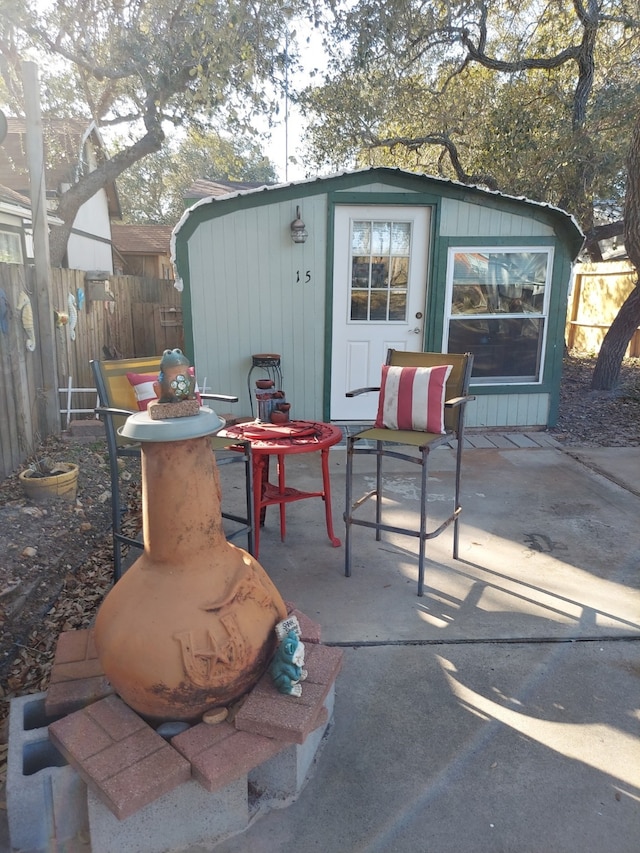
307, 277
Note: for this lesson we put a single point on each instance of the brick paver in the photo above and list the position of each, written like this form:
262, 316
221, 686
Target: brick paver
124, 761
77, 678
290, 718
221, 754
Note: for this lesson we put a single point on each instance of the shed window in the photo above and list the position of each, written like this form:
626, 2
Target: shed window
497, 304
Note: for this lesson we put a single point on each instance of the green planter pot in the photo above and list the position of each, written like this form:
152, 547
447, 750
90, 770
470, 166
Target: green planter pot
59, 486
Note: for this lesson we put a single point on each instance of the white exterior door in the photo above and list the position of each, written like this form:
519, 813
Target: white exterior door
380, 270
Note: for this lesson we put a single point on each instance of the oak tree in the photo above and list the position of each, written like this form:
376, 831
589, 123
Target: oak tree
147, 66
528, 98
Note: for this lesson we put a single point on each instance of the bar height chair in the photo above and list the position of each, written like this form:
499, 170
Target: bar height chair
117, 400
422, 404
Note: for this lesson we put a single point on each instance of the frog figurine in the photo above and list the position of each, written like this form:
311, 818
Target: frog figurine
287, 667
174, 383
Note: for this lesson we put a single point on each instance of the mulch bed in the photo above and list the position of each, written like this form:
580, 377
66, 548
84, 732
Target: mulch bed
598, 418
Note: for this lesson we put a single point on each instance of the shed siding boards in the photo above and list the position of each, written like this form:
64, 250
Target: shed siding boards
244, 271
520, 410
461, 219
245, 288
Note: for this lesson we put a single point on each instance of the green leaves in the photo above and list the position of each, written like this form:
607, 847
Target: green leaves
537, 97
139, 65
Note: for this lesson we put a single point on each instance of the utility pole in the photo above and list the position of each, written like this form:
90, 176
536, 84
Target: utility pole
286, 104
48, 403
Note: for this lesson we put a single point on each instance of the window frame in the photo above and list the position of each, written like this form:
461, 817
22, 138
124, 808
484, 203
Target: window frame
542, 315
18, 236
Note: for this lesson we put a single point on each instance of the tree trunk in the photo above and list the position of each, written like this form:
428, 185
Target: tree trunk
616, 341
621, 331
72, 199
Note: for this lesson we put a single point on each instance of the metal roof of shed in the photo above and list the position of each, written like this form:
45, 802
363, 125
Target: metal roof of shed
567, 220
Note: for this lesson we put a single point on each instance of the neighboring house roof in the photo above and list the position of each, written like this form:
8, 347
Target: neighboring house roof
9, 196
19, 205
203, 188
141, 239
64, 141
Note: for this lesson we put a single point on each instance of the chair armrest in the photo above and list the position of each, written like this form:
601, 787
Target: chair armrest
109, 411
454, 402
358, 391
226, 398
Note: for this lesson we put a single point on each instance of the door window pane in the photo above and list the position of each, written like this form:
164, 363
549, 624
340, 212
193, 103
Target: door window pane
397, 305
361, 238
359, 271
399, 276
379, 272
380, 255
359, 304
381, 237
400, 238
378, 309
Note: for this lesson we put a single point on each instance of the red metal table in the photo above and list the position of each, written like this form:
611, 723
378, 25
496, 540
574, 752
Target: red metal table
281, 441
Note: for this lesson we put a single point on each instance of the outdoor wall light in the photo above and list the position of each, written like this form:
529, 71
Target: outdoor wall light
298, 228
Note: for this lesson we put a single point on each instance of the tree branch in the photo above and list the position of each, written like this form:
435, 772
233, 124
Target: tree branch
412, 143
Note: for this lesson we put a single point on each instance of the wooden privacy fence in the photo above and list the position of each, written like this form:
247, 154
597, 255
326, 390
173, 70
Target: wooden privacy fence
120, 316
599, 291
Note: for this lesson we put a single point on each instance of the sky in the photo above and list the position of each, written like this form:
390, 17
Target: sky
286, 136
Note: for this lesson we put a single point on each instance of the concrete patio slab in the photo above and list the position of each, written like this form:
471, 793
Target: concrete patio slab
472, 749
547, 546
501, 711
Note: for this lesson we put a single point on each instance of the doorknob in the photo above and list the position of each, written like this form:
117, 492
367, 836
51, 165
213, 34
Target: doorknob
415, 331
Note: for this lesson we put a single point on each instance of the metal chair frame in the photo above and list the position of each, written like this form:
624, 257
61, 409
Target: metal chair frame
457, 397
112, 393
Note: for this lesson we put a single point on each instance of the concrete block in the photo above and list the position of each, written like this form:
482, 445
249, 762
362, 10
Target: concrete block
280, 780
46, 798
187, 815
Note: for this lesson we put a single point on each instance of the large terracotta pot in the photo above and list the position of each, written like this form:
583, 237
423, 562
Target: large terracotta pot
190, 626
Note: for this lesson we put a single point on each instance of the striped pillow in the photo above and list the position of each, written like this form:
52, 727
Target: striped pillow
142, 385
413, 398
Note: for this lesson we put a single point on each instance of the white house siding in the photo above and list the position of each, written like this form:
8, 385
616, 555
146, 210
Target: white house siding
84, 252
246, 299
